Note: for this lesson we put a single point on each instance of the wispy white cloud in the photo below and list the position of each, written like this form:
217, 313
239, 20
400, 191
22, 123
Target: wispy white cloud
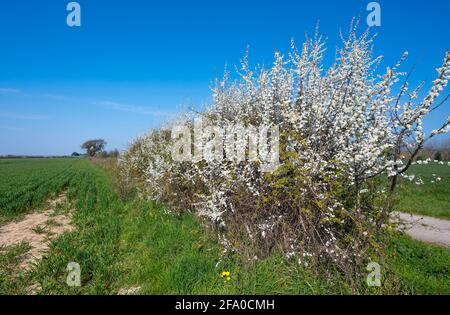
24, 116
132, 108
10, 128
6, 90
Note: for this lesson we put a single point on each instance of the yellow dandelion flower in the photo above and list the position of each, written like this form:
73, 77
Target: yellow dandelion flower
225, 274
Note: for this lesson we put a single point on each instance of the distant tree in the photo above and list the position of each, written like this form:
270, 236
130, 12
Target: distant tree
438, 156
93, 147
75, 154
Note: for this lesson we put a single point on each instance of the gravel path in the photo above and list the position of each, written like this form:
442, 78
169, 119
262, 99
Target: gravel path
427, 229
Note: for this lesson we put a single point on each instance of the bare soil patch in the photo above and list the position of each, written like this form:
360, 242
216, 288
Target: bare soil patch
38, 230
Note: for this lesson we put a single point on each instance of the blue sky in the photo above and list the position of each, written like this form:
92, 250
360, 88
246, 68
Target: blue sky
133, 63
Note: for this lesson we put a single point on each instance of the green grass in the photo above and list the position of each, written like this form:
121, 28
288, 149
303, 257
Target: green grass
432, 199
127, 243
96, 241
12, 282
420, 268
175, 255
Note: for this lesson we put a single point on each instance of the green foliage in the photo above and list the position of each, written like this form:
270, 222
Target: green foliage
93, 147
438, 156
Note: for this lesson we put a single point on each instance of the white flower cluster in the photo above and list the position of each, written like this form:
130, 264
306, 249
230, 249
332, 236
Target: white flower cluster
340, 128
429, 161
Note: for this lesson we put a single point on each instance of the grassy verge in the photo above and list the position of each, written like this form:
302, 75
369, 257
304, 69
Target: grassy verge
430, 199
418, 267
174, 255
170, 255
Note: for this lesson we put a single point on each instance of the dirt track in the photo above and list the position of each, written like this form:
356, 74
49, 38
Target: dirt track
427, 229
27, 230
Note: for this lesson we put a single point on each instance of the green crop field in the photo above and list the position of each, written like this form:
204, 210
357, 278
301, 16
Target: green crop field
25, 183
122, 243
431, 198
